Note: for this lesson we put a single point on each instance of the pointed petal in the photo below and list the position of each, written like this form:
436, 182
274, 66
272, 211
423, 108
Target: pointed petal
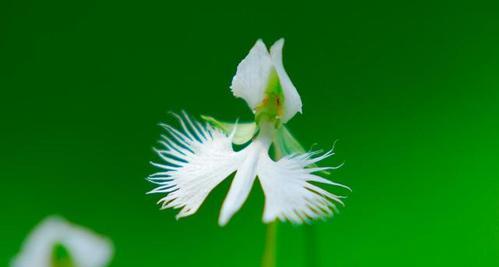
252, 75
86, 249
292, 100
289, 195
242, 183
196, 160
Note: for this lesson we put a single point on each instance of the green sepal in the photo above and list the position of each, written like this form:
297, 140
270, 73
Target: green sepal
286, 144
244, 131
61, 257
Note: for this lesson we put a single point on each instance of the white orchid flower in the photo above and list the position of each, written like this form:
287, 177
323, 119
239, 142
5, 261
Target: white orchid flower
57, 243
201, 155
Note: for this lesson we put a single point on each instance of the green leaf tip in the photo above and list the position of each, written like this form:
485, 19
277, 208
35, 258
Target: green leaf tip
244, 131
286, 144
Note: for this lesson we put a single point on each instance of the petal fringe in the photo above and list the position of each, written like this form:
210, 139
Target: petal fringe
289, 193
194, 161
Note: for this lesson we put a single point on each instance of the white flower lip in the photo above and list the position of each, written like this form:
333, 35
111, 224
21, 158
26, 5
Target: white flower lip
86, 248
253, 73
200, 157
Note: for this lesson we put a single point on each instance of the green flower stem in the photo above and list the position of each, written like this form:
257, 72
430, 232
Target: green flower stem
269, 255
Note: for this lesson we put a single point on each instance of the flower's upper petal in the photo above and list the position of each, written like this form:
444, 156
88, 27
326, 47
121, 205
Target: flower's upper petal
289, 193
195, 161
86, 249
252, 75
292, 100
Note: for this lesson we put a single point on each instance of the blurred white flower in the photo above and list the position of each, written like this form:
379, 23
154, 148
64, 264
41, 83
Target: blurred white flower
58, 243
200, 155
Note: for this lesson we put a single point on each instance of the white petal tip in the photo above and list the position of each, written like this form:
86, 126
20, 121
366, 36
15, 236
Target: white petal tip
346, 187
252, 75
225, 216
278, 44
223, 222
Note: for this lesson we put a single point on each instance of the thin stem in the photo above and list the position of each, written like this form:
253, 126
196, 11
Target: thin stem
269, 254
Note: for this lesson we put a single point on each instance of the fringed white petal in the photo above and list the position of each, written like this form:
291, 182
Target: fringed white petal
292, 100
85, 248
196, 160
199, 157
289, 192
252, 75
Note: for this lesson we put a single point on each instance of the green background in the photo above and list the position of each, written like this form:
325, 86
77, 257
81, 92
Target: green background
409, 89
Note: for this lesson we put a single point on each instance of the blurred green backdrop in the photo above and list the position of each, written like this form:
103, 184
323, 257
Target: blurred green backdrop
409, 89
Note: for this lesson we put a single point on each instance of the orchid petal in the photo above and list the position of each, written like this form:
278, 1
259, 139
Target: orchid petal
86, 249
203, 157
292, 100
289, 193
252, 75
